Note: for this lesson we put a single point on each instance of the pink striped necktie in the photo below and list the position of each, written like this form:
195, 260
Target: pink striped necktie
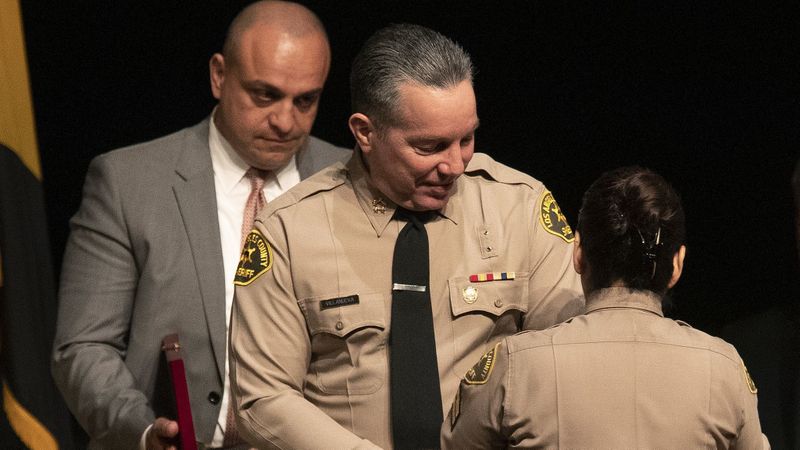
255, 201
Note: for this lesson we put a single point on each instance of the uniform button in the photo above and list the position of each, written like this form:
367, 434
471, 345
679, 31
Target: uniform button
498, 303
488, 249
339, 325
213, 397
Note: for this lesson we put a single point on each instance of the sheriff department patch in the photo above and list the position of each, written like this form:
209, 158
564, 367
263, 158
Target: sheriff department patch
553, 220
749, 380
256, 259
480, 372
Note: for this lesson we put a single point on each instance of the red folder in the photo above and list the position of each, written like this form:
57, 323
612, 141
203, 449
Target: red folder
172, 349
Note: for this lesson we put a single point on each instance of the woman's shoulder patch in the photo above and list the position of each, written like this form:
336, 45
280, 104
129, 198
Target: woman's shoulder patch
751, 386
480, 372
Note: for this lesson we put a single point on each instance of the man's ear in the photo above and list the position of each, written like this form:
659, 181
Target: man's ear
677, 266
577, 254
363, 131
216, 72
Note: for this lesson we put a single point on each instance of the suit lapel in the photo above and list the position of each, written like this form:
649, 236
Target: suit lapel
305, 160
195, 194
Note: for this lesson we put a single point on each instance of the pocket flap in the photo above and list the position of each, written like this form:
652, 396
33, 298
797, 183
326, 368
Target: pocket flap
341, 316
492, 297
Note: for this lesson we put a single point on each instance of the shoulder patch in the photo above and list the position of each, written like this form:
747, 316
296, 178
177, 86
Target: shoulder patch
255, 260
749, 380
553, 220
480, 372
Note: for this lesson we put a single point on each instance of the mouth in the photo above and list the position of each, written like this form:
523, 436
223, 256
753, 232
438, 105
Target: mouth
277, 145
278, 141
440, 189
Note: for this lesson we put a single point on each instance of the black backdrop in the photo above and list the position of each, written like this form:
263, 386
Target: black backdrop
705, 94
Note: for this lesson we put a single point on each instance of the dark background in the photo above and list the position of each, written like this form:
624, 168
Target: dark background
705, 94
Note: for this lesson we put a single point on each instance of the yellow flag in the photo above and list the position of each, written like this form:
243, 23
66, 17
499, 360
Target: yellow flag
17, 130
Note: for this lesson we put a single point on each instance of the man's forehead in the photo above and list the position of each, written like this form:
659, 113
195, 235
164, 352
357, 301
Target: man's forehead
271, 47
427, 111
294, 67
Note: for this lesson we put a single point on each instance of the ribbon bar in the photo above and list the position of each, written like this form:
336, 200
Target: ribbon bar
491, 276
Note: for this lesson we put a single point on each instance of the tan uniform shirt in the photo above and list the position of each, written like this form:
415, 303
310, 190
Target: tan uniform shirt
311, 318
620, 377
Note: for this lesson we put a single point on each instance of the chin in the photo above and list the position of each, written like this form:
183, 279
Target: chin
272, 159
430, 204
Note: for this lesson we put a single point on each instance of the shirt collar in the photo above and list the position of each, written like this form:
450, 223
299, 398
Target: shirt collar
230, 168
626, 298
378, 208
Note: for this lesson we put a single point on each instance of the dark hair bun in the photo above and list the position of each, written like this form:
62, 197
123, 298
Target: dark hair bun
631, 224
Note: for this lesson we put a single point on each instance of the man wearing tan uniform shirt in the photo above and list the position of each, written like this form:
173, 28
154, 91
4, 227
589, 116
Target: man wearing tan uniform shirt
621, 376
313, 321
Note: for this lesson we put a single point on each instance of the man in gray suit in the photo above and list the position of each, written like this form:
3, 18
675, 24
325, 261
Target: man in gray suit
156, 241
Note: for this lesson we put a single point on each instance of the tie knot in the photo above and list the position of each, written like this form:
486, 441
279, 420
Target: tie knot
257, 177
418, 218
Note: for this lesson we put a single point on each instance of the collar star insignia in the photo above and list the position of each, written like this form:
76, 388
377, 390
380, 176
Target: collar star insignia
378, 206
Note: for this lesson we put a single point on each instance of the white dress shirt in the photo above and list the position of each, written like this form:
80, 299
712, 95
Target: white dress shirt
232, 190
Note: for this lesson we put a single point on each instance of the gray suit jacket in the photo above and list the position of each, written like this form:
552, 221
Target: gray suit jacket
144, 260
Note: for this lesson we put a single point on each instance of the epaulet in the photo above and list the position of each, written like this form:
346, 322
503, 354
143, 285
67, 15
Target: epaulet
322, 181
482, 165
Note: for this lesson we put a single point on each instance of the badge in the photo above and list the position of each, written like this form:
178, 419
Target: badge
256, 259
553, 220
480, 372
750, 384
455, 409
470, 294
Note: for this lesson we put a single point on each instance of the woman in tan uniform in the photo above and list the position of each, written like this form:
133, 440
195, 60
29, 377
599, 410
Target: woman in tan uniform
621, 376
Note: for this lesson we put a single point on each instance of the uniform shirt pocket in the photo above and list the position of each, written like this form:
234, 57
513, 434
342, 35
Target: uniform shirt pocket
348, 343
483, 314
490, 297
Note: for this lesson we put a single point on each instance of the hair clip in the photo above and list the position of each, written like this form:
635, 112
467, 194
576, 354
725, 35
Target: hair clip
650, 251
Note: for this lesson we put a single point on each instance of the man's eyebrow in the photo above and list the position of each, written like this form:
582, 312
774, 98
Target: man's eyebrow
278, 92
311, 93
262, 86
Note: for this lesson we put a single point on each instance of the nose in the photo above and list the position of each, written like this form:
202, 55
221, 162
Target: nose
281, 118
452, 164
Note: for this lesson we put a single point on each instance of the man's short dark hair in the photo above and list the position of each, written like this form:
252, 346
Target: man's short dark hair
403, 53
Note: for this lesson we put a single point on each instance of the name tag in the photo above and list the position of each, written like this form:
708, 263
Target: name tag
337, 302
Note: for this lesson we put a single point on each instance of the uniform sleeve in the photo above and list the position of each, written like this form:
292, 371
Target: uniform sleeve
554, 287
475, 419
269, 359
750, 435
98, 284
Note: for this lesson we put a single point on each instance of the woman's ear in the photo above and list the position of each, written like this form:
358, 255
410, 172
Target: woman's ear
677, 266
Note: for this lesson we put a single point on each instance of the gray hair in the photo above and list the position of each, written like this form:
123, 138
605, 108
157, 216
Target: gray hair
401, 54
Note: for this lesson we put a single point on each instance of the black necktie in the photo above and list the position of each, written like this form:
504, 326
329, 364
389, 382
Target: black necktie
416, 399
